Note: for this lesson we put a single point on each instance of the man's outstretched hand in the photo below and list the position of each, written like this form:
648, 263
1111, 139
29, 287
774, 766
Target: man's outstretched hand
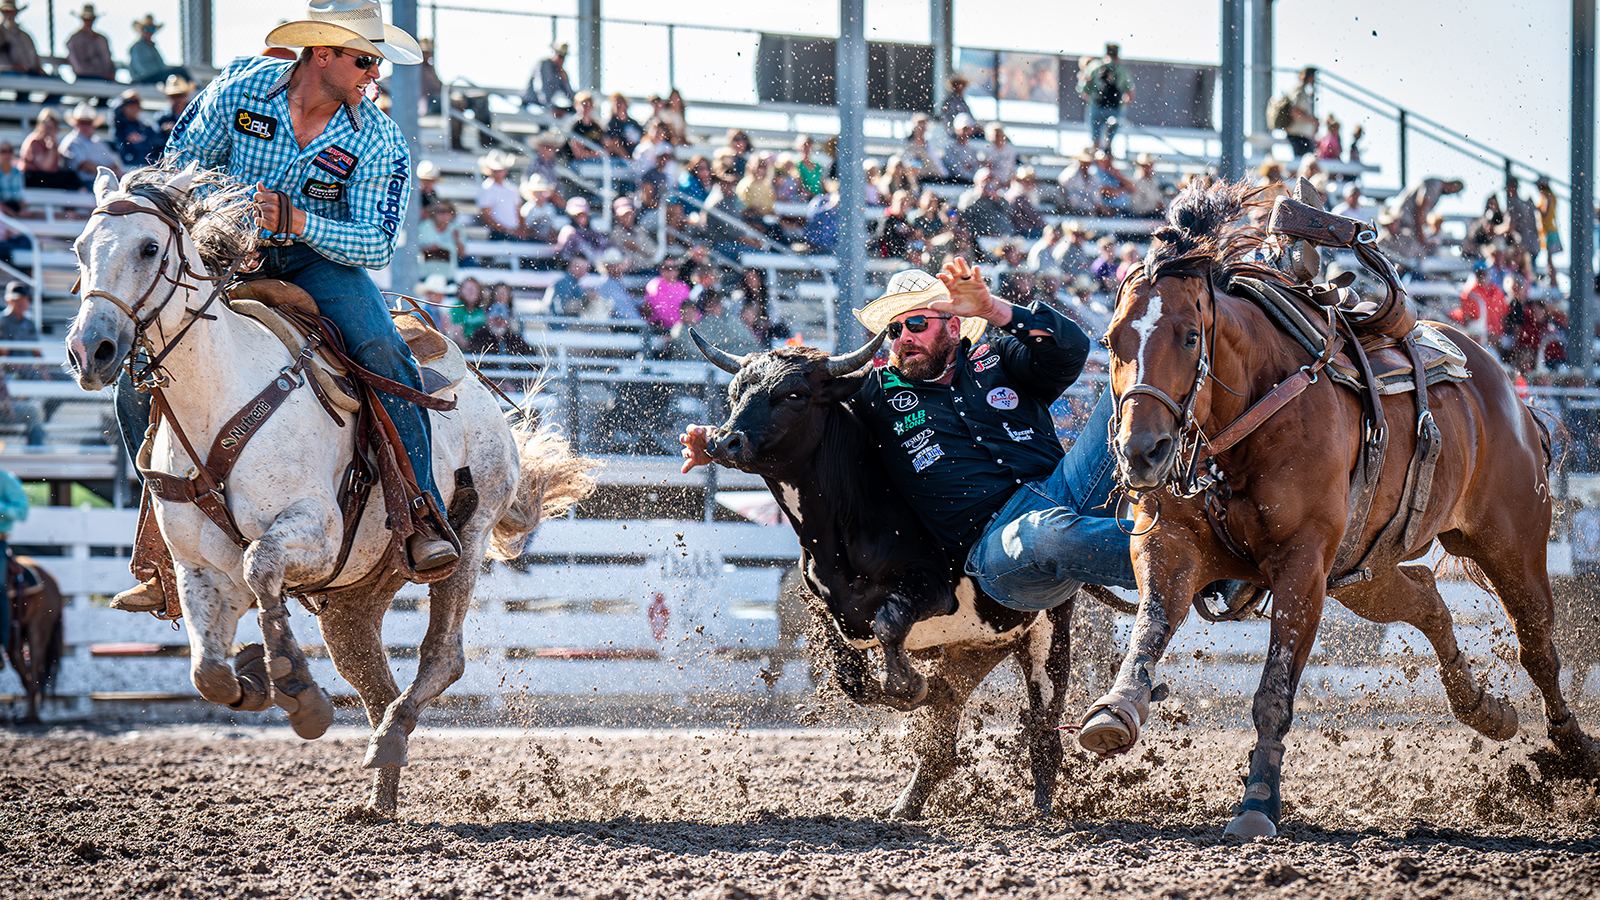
694, 446
969, 296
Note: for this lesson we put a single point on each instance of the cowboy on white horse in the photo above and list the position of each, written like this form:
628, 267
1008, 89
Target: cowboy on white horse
333, 177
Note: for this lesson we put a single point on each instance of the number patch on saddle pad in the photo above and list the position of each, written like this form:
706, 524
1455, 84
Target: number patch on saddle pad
254, 124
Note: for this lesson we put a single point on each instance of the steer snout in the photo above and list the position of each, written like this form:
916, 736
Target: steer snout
731, 448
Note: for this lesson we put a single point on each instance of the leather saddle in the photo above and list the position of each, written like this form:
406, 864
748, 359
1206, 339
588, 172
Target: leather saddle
441, 361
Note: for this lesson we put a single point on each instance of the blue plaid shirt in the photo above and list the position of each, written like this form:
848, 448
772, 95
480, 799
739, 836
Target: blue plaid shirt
353, 180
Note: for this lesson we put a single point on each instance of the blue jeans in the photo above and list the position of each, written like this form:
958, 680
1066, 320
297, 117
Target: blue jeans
1056, 533
349, 299
1102, 122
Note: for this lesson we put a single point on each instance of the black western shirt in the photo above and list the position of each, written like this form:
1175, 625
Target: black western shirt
958, 451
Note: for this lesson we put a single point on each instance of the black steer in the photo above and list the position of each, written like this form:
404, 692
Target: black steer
867, 557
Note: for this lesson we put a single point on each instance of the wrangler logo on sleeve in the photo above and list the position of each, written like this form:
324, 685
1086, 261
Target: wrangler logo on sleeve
254, 124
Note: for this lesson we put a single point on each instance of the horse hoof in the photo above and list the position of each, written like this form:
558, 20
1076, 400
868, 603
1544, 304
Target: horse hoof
216, 682
310, 711
1251, 824
1104, 734
255, 686
384, 751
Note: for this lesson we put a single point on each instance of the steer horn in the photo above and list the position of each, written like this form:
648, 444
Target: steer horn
844, 365
719, 357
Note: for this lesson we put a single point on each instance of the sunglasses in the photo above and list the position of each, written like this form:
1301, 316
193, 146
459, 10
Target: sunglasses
362, 62
915, 325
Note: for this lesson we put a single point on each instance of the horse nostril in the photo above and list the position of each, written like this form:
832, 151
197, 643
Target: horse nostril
1158, 452
104, 351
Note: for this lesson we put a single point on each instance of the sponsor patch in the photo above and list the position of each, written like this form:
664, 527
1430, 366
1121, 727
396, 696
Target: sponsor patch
926, 457
981, 350
892, 379
916, 441
915, 420
1003, 398
988, 362
903, 401
322, 190
254, 124
336, 161
1025, 434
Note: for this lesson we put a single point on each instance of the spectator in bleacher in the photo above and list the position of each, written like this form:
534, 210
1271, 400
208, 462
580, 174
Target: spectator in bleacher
1331, 145
694, 185
550, 87
178, 91
1483, 306
897, 176
1022, 199
22, 412
1147, 201
664, 296
873, 174
81, 151
652, 187
821, 233
755, 190
1104, 266
472, 104
657, 143
88, 51
138, 142
1116, 190
498, 202
11, 183
983, 209
1129, 260
16, 324
1522, 221
931, 216
17, 53
962, 158
42, 163
720, 325
579, 237
428, 184
435, 302
635, 243
1352, 207
610, 298
468, 313
586, 134
1303, 122
496, 337
1483, 231
145, 63
723, 215
811, 171
786, 180
916, 151
1080, 187
1073, 256
1410, 215
1041, 253
623, 132
734, 151
674, 115
1549, 230
892, 233
567, 296
1107, 89
430, 88
954, 105
1000, 155
442, 242
547, 146
1270, 172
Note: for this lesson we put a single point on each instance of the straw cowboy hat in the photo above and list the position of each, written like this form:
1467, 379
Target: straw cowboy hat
496, 161
88, 12
355, 25
83, 112
148, 21
177, 85
908, 290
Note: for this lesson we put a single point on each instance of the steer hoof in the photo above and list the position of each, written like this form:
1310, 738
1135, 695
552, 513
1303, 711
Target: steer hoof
1251, 824
906, 694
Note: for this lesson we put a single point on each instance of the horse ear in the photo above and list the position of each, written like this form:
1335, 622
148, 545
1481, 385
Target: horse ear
105, 184
182, 180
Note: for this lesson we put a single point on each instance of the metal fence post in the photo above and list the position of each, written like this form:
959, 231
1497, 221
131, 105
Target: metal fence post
1405, 179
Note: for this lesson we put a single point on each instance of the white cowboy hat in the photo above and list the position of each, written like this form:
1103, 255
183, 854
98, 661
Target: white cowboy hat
436, 284
496, 161
352, 25
913, 289
83, 112
176, 85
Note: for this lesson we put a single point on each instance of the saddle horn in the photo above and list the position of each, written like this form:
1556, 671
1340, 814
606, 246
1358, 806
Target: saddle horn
844, 365
718, 357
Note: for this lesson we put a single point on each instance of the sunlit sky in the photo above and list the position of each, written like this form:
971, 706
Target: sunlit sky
1495, 70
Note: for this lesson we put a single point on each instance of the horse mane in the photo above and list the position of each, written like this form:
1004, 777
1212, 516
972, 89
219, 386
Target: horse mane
216, 210
1208, 231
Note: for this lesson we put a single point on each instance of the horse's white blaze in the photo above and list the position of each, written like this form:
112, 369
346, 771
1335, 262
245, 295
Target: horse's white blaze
1145, 326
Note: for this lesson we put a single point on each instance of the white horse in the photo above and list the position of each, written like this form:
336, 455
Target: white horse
143, 280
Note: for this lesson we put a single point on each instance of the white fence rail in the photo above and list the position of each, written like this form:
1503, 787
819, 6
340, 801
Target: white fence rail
662, 609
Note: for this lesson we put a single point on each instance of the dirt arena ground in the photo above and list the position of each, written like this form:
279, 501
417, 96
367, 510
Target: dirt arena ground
1418, 809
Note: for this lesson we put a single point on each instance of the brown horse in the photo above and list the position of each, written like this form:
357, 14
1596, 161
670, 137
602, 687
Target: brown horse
36, 641
1280, 495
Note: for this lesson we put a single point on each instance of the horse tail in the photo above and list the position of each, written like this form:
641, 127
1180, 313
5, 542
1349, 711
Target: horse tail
1450, 565
554, 479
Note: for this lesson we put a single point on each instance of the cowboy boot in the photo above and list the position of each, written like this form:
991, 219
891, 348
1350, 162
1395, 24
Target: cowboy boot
150, 558
145, 597
433, 543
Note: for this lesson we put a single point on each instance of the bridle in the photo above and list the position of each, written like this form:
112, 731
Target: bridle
151, 371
